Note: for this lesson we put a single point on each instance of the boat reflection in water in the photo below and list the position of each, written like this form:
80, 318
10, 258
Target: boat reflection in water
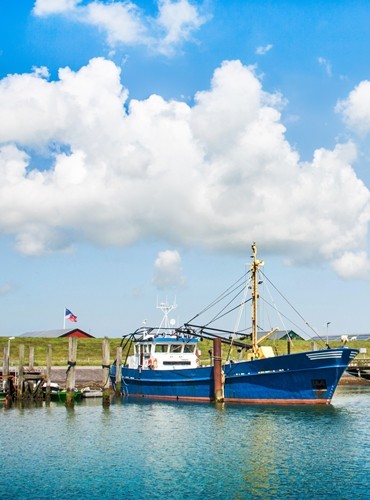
165, 362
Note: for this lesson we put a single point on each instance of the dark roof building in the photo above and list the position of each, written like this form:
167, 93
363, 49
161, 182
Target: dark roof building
53, 334
281, 335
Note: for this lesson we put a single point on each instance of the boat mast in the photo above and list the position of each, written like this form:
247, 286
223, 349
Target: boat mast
166, 309
254, 271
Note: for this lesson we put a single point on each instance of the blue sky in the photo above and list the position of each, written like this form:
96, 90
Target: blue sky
144, 145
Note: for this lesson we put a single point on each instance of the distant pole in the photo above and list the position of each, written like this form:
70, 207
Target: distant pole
64, 319
106, 367
327, 332
71, 376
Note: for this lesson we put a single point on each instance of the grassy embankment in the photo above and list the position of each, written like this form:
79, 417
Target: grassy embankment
89, 351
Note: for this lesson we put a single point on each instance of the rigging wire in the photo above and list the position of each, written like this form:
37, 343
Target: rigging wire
294, 309
280, 315
284, 316
224, 294
218, 316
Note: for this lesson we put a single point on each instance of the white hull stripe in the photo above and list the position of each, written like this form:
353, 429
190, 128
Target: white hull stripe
325, 355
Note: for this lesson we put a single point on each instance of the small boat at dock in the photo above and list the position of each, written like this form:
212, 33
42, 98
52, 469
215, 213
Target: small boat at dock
165, 363
57, 393
88, 393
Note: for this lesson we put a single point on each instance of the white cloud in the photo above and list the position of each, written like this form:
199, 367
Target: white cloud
122, 22
168, 270
161, 171
47, 7
262, 50
125, 23
356, 108
178, 20
326, 65
353, 265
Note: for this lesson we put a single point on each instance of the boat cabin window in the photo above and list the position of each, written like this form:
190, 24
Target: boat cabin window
175, 348
143, 348
188, 348
161, 348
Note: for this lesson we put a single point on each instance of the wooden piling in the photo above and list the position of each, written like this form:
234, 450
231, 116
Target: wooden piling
71, 372
31, 358
48, 374
20, 385
289, 344
118, 371
5, 372
106, 367
217, 371
5, 381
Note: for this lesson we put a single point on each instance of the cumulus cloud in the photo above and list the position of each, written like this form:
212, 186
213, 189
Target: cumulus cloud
217, 174
178, 20
355, 109
47, 7
168, 270
125, 23
352, 265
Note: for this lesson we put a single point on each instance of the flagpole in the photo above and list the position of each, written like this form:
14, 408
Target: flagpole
64, 319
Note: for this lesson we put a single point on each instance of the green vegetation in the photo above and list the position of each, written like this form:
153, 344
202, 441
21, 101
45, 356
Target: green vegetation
89, 351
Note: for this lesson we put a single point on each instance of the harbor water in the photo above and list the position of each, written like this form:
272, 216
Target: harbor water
145, 450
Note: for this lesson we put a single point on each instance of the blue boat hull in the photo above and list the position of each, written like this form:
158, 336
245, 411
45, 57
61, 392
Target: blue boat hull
309, 377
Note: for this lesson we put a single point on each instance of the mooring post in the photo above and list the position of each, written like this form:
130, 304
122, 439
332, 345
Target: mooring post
106, 367
71, 375
217, 371
119, 372
289, 344
5, 380
48, 373
20, 388
31, 358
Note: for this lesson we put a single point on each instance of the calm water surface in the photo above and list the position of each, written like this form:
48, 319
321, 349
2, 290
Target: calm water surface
175, 450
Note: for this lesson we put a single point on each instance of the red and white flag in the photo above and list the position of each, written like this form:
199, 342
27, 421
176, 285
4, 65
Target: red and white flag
69, 315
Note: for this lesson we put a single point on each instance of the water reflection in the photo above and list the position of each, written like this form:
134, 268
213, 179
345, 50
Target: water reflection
150, 449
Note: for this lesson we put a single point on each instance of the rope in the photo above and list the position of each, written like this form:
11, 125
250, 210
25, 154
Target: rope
70, 364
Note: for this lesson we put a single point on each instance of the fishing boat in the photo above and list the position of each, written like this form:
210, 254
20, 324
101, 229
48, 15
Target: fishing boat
165, 363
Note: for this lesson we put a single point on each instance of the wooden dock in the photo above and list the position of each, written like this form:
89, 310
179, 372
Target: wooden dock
26, 385
360, 368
